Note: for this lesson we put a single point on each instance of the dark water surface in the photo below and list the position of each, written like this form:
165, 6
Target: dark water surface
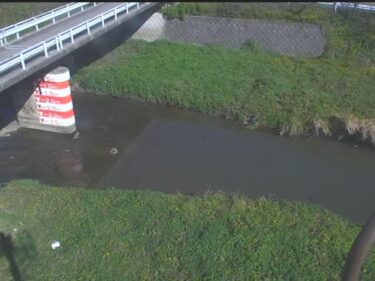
170, 150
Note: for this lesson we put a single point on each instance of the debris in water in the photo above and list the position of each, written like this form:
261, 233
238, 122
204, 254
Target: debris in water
55, 244
114, 151
76, 135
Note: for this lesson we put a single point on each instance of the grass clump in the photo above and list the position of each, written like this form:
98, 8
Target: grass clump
138, 235
246, 85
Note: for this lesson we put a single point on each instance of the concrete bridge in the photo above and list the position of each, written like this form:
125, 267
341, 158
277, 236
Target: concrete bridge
29, 46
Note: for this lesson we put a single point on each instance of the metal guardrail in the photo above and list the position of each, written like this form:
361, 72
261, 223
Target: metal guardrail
57, 42
18, 27
349, 5
359, 251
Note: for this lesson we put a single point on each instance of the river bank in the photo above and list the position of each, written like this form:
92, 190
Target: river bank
133, 235
289, 95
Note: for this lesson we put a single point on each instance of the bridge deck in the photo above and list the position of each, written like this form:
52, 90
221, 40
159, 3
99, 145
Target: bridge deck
17, 46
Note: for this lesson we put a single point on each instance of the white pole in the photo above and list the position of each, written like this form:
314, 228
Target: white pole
18, 35
54, 20
102, 17
22, 61
61, 43
71, 36
115, 13
37, 27
57, 44
45, 48
88, 28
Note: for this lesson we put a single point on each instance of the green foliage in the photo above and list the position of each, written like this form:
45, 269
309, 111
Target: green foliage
350, 34
11, 13
235, 83
138, 235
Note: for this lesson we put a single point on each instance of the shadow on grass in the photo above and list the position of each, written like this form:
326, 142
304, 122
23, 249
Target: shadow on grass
25, 252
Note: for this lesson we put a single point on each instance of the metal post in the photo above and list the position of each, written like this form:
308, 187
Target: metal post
71, 36
137, 5
1, 42
127, 8
5, 40
115, 13
18, 35
102, 17
81, 8
94, 4
37, 27
88, 28
61, 43
359, 251
68, 14
54, 20
57, 44
22, 61
45, 48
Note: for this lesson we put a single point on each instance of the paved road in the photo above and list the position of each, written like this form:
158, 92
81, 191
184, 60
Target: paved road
50, 31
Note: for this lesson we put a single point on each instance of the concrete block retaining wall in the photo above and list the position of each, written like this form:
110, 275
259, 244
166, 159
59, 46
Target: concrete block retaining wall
292, 39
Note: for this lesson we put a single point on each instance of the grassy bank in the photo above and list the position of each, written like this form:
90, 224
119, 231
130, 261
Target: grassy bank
350, 33
136, 235
292, 95
11, 13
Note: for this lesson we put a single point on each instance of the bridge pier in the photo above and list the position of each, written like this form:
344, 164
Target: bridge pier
46, 104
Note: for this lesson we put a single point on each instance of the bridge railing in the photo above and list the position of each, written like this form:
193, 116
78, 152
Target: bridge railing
56, 43
14, 30
350, 5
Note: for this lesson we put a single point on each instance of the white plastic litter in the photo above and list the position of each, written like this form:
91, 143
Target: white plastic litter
55, 244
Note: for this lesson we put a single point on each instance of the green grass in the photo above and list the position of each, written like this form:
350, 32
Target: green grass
11, 13
138, 235
351, 35
239, 84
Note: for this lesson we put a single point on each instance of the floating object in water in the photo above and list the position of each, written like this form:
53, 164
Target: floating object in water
114, 151
55, 244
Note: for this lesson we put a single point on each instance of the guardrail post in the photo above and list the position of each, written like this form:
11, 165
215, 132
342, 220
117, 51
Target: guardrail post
68, 14
54, 20
1, 42
81, 8
137, 5
61, 43
37, 27
45, 49
88, 28
94, 4
57, 44
127, 8
22, 61
71, 36
115, 13
18, 35
102, 17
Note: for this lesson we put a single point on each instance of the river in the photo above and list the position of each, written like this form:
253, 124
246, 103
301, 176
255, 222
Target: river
134, 145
